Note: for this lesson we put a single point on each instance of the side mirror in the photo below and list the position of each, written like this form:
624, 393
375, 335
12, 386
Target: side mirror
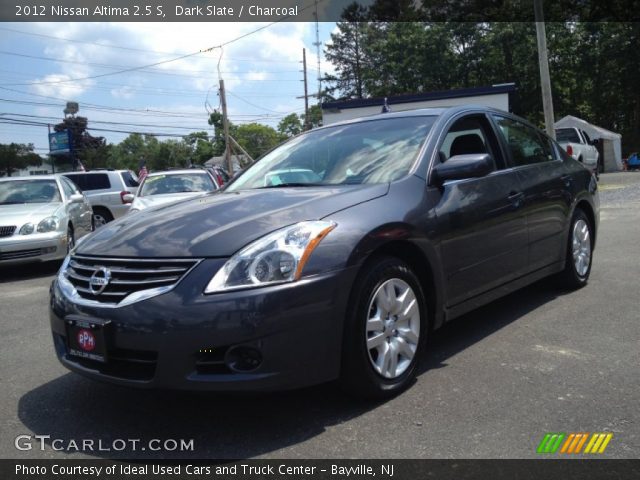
128, 198
76, 198
595, 142
460, 167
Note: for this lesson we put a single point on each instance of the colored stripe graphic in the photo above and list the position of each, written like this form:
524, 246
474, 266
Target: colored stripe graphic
573, 443
550, 442
598, 442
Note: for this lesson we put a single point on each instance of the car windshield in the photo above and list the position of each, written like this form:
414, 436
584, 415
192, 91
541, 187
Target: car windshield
29, 191
567, 135
376, 151
176, 183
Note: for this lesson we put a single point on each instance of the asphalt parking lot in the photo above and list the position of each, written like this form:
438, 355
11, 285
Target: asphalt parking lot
492, 384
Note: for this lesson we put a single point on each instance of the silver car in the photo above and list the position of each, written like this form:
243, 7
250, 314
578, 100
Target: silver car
41, 218
171, 186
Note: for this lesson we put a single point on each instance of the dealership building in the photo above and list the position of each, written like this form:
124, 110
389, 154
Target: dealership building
496, 96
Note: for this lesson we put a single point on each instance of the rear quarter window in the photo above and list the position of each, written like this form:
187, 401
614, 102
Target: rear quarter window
93, 181
129, 180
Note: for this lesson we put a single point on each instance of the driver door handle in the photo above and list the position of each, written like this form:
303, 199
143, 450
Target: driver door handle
516, 199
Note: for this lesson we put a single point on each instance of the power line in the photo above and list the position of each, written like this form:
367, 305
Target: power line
126, 70
181, 57
157, 52
149, 70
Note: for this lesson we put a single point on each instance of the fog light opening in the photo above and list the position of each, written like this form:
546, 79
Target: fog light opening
243, 359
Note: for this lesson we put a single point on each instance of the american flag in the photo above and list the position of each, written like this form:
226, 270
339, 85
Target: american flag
142, 173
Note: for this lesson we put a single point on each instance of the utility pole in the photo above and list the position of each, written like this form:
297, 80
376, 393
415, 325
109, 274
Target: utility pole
225, 124
306, 94
545, 81
317, 44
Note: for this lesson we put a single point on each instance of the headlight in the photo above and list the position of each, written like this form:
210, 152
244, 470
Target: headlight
27, 229
49, 224
276, 258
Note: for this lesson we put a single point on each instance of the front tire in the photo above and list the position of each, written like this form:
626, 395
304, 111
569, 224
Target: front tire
579, 252
71, 239
385, 330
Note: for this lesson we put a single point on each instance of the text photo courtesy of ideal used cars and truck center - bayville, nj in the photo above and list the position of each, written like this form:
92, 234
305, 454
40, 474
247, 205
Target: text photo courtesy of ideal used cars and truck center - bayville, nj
319, 239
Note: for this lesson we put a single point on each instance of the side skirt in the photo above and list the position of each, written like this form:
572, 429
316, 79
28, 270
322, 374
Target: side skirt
498, 292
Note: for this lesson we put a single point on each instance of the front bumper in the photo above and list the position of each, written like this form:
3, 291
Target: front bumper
37, 247
184, 339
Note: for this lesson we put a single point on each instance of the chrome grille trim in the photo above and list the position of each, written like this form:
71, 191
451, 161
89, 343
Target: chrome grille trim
132, 279
7, 231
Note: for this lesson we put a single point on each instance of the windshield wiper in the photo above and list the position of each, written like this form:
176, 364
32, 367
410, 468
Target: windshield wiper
295, 184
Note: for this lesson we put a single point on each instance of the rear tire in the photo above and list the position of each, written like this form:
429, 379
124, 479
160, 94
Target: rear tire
101, 216
579, 253
385, 330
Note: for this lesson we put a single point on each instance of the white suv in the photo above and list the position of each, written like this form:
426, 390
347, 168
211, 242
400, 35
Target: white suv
105, 190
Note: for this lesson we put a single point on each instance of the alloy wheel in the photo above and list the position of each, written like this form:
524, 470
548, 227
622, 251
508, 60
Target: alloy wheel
581, 247
393, 328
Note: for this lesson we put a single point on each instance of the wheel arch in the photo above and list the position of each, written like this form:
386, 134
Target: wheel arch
587, 208
419, 262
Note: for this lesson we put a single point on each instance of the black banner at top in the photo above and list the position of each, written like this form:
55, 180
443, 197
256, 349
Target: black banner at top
310, 10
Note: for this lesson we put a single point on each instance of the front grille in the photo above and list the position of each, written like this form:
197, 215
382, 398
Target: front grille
20, 254
128, 275
7, 231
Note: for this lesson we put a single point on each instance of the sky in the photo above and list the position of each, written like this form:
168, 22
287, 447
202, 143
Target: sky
262, 74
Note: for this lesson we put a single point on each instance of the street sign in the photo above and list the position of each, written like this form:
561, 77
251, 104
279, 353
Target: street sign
59, 142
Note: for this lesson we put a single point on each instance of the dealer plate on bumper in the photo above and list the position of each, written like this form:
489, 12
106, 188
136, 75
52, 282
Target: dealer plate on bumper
87, 338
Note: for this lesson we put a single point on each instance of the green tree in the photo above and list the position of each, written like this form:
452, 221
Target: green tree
315, 116
17, 156
290, 125
256, 139
200, 146
215, 120
346, 52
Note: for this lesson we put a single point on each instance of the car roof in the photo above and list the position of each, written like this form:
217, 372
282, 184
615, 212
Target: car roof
178, 172
422, 112
95, 172
29, 177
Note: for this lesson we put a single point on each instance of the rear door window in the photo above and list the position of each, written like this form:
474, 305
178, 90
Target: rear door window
526, 145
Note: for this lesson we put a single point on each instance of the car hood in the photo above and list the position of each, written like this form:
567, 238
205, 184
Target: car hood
23, 213
157, 200
219, 224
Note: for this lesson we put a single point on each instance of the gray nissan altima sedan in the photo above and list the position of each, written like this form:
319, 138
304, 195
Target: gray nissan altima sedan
41, 217
332, 257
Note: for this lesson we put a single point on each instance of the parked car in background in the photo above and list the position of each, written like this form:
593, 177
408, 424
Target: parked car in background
41, 217
633, 162
579, 146
219, 173
160, 188
106, 190
409, 220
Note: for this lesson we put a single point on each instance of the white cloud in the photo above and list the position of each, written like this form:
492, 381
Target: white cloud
51, 85
125, 92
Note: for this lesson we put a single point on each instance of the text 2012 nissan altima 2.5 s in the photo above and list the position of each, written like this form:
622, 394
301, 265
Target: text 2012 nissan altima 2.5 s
332, 257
